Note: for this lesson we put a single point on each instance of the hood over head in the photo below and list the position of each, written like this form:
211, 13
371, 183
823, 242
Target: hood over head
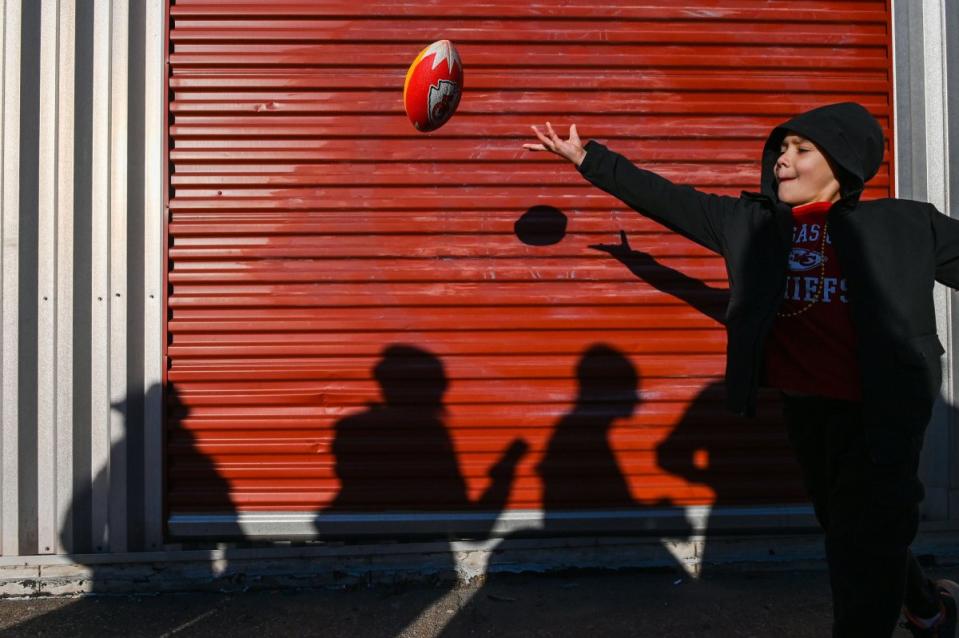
846, 133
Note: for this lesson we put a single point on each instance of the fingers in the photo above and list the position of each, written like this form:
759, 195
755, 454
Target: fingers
552, 142
547, 142
552, 134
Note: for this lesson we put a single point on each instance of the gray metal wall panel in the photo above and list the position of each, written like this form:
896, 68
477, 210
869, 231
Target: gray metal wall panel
79, 232
135, 271
27, 312
910, 113
79, 513
926, 123
10, 296
952, 106
155, 180
952, 100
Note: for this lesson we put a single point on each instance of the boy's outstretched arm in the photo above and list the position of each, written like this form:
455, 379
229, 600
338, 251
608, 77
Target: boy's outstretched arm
946, 230
696, 215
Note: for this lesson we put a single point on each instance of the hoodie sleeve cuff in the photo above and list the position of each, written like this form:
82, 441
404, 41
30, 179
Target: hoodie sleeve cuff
593, 151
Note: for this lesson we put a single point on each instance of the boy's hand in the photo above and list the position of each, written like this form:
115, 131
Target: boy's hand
570, 149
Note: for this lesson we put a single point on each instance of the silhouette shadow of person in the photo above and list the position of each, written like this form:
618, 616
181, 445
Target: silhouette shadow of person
398, 455
579, 471
194, 484
579, 467
743, 461
396, 458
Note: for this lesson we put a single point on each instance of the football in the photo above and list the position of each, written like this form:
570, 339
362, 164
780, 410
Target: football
433, 86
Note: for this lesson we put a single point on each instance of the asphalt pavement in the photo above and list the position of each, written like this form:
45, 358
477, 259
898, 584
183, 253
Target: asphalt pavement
731, 601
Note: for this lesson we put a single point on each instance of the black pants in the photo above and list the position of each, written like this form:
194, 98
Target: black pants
870, 514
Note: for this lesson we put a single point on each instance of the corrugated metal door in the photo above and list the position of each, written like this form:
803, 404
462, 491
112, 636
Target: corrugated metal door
366, 321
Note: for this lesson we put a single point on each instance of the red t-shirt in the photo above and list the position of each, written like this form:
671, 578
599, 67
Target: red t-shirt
813, 351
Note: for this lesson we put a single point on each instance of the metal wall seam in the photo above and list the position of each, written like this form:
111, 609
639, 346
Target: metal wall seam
47, 278
934, 61
153, 271
933, 190
100, 409
892, 154
911, 180
896, 101
65, 330
3, 390
951, 25
119, 401
935, 39
9, 487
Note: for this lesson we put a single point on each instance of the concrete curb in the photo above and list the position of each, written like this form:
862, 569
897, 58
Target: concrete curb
241, 569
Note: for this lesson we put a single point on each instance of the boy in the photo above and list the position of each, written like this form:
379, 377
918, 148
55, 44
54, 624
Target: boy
831, 303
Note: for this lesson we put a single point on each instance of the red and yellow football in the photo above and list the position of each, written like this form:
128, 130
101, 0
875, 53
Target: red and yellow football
434, 83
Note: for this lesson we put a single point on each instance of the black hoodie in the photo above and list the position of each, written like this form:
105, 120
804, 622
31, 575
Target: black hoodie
891, 252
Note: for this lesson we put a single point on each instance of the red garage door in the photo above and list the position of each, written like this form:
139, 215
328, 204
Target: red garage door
373, 329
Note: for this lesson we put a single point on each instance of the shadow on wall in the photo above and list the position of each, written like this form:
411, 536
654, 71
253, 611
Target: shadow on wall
580, 472
193, 482
579, 468
711, 446
398, 456
87, 528
541, 226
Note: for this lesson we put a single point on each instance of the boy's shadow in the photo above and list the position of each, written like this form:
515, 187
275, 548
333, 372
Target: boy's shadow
745, 462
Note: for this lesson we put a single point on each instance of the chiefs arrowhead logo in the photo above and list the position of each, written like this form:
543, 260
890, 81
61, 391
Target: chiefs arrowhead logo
801, 259
443, 99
